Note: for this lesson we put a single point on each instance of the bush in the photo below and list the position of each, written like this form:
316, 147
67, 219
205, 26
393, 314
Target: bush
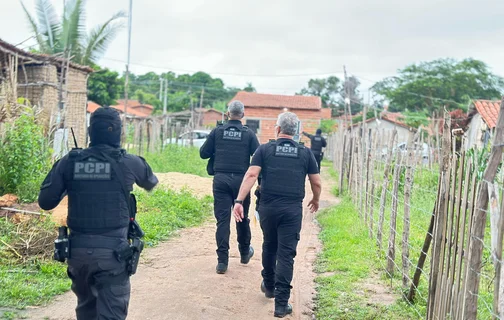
24, 158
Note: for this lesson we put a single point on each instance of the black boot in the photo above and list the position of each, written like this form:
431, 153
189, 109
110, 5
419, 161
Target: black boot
281, 312
246, 258
267, 293
221, 268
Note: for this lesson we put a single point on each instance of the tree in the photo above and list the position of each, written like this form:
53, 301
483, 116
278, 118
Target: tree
327, 89
104, 87
67, 33
249, 87
350, 90
443, 82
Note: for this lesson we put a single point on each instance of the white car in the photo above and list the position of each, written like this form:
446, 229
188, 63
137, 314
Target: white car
199, 137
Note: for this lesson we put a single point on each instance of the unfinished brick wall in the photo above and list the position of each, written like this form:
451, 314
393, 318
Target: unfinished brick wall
76, 103
210, 118
310, 120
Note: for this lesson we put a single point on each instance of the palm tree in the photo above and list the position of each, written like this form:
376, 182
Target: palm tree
68, 34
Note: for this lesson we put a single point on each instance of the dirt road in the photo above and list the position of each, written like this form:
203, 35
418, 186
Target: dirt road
177, 279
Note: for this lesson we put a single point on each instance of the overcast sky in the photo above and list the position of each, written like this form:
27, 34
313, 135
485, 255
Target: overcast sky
261, 41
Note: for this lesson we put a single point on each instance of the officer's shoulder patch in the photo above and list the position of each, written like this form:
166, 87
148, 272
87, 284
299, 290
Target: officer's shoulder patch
287, 149
92, 169
232, 133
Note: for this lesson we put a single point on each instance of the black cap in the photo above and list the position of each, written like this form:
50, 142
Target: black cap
319, 131
105, 127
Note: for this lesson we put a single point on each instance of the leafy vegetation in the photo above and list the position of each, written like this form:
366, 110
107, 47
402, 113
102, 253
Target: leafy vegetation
176, 158
66, 34
163, 211
333, 92
420, 86
24, 157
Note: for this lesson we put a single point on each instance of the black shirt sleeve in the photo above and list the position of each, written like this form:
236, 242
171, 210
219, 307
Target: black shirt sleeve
324, 143
207, 150
312, 163
144, 177
254, 142
257, 159
53, 188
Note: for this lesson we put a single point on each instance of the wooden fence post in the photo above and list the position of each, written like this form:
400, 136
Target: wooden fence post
342, 165
478, 229
440, 220
393, 218
383, 199
408, 184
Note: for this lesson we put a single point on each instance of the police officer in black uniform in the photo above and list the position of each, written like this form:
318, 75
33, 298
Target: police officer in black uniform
98, 215
283, 165
230, 145
317, 142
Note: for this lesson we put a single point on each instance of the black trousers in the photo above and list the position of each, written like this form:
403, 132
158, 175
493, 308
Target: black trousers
225, 191
281, 227
318, 158
101, 284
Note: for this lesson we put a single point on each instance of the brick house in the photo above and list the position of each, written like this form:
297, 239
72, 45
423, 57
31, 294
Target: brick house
134, 107
208, 117
262, 110
483, 115
38, 80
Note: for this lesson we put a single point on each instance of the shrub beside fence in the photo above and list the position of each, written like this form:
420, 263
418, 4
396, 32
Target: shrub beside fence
437, 223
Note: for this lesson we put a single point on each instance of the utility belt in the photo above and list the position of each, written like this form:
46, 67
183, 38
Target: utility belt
128, 251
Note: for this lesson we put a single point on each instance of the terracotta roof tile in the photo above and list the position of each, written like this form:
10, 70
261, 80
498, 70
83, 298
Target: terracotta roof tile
134, 104
92, 106
258, 100
489, 111
130, 111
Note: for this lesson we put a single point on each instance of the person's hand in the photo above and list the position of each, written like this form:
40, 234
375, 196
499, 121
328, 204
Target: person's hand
313, 205
238, 212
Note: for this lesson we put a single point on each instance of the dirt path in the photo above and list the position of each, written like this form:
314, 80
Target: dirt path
177, 279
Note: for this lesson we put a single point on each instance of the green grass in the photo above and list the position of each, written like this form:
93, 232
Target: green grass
163, 211
178, 159
37, 281
349, 255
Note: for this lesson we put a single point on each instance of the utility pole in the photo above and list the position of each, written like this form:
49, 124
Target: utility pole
165, 102
126, 82
347, 99
161, 88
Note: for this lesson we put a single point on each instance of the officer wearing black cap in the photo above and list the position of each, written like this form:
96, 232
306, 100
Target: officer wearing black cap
98, 181
283, 165
317, 142
230, 146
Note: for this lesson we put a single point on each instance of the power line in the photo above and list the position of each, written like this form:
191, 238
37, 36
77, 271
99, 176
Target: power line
227, 73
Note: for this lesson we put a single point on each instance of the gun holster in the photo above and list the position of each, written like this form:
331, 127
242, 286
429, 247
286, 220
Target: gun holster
61, 245
209, 167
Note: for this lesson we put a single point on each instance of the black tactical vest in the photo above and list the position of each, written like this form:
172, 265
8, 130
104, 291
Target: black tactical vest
96, 201
316, 145
284, 169
232, 148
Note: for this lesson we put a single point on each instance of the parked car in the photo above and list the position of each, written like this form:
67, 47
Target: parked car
199, 137
424, 151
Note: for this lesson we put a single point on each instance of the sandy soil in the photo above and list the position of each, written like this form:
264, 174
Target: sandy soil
177, 279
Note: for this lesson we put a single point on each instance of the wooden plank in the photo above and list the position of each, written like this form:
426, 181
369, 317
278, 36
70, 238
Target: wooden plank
393, 219
366, 182
447, 283
493, 200
500, 270
383, 198
342, 165
459, 241
408, 184
466, 269
478, 229
440, 223
371, 184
